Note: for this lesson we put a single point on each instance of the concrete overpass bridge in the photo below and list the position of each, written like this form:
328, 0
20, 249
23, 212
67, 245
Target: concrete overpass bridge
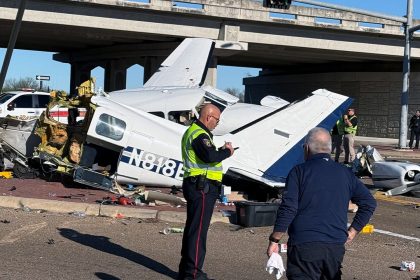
299, 48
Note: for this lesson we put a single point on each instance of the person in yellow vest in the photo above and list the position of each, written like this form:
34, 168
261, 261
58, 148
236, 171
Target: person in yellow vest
337, 138
202, 178
350, 129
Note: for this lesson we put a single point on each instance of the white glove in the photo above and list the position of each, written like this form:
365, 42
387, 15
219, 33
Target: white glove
275, 264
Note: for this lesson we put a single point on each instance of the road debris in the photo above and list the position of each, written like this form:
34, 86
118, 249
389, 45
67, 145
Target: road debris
6, 175
226, 213
407, 266
169, 230
12, 189
123, 200
51, 241
79, 214
119, 216
5, 221
368, 229
152, 196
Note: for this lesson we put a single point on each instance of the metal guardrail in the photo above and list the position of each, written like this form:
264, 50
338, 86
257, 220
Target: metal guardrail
250, 10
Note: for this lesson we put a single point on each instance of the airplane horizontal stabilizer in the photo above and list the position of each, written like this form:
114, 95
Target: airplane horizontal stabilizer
274, 142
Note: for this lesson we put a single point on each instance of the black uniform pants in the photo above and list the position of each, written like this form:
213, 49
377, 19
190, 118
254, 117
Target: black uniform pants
415, 131
200, 205
314, 261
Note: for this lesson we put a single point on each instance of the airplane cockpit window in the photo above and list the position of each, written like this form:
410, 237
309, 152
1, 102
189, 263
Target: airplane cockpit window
181, 117
159, 114
111, 127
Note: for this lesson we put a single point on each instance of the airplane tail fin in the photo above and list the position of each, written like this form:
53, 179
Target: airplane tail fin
274, 142
186, 66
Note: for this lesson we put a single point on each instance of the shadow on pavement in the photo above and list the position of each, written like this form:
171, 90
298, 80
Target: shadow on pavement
103, 244
105, 276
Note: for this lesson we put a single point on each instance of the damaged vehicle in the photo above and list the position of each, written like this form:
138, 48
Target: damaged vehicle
134, 136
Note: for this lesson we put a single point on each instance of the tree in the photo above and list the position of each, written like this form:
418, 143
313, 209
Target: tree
18, 84
236, 92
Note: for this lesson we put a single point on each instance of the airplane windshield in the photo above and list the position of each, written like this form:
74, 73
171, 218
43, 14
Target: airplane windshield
110, 127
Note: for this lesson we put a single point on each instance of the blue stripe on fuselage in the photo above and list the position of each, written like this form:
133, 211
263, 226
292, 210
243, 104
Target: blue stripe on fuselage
279, 170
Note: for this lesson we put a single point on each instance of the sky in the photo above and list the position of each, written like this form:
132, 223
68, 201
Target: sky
31, 63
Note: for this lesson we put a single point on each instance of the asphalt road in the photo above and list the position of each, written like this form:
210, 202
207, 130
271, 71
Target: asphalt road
55, 246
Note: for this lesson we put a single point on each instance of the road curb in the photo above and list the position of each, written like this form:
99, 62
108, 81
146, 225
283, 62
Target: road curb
172, 216
70, 207
113, 211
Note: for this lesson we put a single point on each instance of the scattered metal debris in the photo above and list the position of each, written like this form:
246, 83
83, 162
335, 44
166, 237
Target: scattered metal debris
169, 230
79, 214
154, 195
407, 266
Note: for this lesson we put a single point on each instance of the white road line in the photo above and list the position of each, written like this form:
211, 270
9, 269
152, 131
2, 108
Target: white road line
393, 234
396, 235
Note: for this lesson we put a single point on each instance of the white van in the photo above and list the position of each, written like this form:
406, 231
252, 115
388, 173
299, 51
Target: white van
23, 104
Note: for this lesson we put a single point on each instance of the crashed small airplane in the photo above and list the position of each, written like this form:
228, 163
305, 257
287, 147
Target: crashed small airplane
396, 177
134, 136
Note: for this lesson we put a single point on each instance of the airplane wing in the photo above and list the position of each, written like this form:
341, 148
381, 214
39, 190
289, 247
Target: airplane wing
186, 66
270, 146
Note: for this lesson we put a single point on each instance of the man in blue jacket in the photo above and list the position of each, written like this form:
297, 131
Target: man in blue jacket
314, 212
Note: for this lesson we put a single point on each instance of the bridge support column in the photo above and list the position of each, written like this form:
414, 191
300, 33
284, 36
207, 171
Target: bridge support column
115, 75
80, 72
376, 95
151, 65
211, 77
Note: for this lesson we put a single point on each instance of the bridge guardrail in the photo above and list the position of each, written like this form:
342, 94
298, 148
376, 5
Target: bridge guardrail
254, 11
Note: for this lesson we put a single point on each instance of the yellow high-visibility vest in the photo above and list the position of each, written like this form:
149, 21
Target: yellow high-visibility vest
351, 129
193, 165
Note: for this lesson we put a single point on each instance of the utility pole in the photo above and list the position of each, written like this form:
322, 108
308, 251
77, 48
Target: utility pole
402, 144
12, 42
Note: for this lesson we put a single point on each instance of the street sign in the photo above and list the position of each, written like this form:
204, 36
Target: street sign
42, 78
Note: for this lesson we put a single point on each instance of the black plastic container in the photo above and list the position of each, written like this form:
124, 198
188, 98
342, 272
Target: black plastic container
256, 214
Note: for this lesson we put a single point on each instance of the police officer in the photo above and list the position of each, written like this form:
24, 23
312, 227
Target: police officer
337, 138
202, 179
415, 129
350, 129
